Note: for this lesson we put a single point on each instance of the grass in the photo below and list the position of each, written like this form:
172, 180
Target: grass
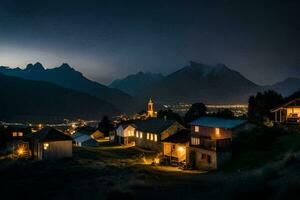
119, 173
262, 146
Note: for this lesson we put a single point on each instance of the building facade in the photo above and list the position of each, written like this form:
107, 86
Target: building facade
210, 141
288, 113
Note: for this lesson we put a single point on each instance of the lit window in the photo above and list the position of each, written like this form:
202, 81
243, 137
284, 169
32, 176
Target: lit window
137, 134
195, 141
46, 146
141, 134
155, 138
196, 129
14, 134
217, 131
20, 134
148, 136
151, 136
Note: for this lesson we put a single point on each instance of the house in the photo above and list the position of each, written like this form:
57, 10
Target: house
288, 113
125, 133
18, 131
50, 144
83, 140
149, 133
175, 146
210, 141
90, 131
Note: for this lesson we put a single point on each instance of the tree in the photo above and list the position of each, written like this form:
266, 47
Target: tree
196, 111
260, 105
169, 115
105, 125
224, 113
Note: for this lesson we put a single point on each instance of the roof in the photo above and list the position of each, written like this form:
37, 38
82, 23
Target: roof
87, 130
214, 122
181, 136
82, 138
19, 128
153, 125
49, 134
295, 102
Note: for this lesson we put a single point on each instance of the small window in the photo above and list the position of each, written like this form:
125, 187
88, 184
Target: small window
173, 147
14, 134
196, 129
20, 134
137, 134
155, 138
148, 136
151, 136
46, 146
195, 141
208, 158
217, 130
141, 134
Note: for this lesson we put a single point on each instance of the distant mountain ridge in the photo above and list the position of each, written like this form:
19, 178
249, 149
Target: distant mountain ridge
287, 86
199, 82
23, 99
136, 83
66, 76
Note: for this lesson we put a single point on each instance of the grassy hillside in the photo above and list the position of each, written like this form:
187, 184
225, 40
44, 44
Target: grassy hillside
262, 146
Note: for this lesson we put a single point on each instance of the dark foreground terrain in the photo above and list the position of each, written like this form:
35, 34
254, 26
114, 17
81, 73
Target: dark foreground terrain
121, 173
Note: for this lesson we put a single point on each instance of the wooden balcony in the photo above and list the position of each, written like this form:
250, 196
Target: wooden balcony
215, 145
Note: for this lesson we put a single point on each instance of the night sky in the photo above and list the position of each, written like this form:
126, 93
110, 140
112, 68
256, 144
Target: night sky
111, 39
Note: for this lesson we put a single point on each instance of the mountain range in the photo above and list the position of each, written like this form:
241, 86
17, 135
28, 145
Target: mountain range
23, 99
65, 92
67, 77
199, 82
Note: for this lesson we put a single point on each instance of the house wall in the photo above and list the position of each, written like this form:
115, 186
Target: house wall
147, 143
211, 132
56, 150
156, 145
179, 151
196, 160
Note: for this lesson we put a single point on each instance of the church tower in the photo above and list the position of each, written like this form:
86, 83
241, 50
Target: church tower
150, 110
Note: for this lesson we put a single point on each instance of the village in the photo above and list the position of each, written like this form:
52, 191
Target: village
148, 145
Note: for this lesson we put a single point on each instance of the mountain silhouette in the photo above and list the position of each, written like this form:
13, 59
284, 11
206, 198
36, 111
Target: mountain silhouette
67, 77
35, 100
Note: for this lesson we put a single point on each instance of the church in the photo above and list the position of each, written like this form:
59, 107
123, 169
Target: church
150, 110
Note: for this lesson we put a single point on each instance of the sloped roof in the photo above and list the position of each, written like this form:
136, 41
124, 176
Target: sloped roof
295, 102
49, 134
82, 138
153, 125
181, 136
214, 122
87, 130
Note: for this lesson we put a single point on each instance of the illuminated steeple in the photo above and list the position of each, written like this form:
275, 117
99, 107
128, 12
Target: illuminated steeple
150, 110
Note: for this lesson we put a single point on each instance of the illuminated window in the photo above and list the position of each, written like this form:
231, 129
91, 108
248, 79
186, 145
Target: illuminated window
141, 134
195, 141
196, 129
14, 134
155, 138
151, 136
20, 134
137, 134
46, 146
217, 130
148, 136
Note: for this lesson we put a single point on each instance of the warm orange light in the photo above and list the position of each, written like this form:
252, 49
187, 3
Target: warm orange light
20, 151
181, 149
217, 131
156, 160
